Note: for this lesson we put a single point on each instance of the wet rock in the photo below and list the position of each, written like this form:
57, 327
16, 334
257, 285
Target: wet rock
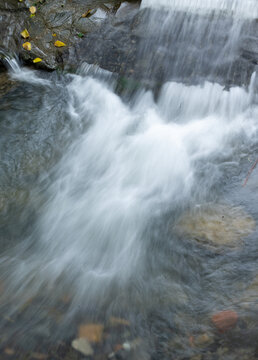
9, 351
203, 340
59, 17
92, 332
62, 18
126, 44
12, 197
225, 320
132, 345
38, 356
196, 357
216, 225
83, 346
6, 84
249, 298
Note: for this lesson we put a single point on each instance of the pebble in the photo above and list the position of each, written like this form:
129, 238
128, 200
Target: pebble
203, 340
225, 320
92, 332
9, 351
83, 346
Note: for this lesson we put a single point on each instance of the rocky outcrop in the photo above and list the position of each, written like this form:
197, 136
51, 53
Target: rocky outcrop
67, 21
124, 39
133, 45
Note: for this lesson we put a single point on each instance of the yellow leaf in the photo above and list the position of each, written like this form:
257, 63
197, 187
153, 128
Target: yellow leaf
37, 60
33, 9
53, 34
27, 46
25, 34
87, 13
59, 43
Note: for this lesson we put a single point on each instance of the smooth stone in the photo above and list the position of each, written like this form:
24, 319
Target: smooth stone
83, 346
225, 320
216, 225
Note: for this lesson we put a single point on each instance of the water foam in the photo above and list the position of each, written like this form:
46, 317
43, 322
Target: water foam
131, 165
239, 8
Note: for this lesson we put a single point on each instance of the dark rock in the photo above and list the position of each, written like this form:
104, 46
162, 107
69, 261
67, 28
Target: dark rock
132, 45
128, 41
61, 18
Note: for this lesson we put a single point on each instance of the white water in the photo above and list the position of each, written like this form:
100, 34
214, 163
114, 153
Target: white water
247, 8
131, 165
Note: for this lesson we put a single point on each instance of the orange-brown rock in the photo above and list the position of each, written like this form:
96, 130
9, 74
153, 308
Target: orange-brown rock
225, 320
9, 351
92, 332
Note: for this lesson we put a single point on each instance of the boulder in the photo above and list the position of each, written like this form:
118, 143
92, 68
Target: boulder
216, 225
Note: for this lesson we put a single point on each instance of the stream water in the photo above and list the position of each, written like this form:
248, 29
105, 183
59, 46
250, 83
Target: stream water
131, 206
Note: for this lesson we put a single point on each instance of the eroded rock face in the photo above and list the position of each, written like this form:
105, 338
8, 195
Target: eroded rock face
6, 84
139, 44
216, 225
150, 45
64, 20
12, 18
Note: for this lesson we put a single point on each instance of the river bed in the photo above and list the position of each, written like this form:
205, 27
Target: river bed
124, 219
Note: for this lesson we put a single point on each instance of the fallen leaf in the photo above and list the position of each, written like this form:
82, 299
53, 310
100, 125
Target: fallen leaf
33, 9
59, 43
114, 321
27, 46
37, 60
87, 13
92, 332
25, 34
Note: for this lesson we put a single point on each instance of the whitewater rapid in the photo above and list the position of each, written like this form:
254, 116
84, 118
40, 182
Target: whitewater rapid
237, 8
131, 165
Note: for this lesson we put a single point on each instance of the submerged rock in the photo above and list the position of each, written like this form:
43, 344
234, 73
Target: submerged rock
225, 320
216, 225
83, 346
203, 340
92, 332
6, 84
250, 297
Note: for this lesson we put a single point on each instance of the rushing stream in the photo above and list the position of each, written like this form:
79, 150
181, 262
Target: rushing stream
133, 206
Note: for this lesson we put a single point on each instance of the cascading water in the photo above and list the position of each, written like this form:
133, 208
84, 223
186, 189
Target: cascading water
236, 7
104, 231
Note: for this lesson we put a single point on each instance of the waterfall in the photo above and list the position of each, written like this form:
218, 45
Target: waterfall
134, 165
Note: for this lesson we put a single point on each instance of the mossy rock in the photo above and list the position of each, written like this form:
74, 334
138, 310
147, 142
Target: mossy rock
216, 225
